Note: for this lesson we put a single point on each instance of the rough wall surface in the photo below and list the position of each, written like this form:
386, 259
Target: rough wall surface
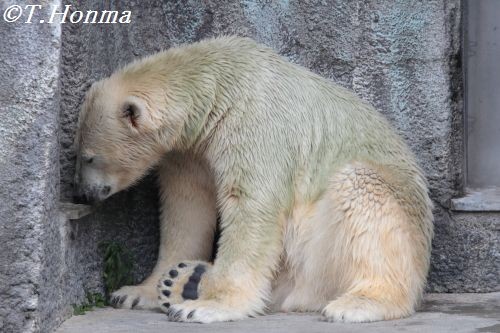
29, 175
402, 56
466, 255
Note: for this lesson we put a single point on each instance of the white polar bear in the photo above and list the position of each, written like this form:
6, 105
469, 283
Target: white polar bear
322, 206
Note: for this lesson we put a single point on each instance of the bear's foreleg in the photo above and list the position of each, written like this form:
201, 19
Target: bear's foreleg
238, 283
187, 225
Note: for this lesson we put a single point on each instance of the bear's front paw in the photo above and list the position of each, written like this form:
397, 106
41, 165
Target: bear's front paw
204, 311
188, 293
135, 297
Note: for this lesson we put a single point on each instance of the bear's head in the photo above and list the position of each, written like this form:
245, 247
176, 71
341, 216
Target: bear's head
121, 135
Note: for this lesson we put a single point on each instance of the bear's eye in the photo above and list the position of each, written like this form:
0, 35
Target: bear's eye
130, 112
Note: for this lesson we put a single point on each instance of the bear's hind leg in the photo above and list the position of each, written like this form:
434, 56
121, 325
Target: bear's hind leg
382, 234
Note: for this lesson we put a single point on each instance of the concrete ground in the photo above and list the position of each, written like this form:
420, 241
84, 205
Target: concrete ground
440, 313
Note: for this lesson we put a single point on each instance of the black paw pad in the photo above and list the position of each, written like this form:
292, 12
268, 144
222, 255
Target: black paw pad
190, 290
166, 293
200, 269
168, 283
181, 265
173, 273
167, 305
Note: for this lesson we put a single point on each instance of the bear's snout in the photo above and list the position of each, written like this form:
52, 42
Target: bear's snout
91, 195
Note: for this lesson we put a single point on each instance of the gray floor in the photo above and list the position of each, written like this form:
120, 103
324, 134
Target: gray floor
439, 313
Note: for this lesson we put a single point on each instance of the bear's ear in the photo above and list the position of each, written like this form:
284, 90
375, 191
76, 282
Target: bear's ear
134, 112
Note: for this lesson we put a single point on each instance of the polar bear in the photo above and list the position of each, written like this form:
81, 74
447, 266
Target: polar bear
322, 206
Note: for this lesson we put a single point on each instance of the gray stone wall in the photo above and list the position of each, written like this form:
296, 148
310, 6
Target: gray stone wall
29, 174
402, 56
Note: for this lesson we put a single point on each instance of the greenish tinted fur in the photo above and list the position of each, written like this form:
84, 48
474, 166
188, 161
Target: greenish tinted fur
321, 142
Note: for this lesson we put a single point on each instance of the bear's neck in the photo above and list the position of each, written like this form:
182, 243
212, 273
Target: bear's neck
208, 93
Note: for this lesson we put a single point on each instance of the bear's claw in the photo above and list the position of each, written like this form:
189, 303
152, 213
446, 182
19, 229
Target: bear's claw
116, 301
135, 297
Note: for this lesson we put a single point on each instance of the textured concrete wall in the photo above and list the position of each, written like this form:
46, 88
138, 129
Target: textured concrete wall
29, 175
402, 56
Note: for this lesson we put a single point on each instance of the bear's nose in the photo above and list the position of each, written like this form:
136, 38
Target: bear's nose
80, 199
105, 190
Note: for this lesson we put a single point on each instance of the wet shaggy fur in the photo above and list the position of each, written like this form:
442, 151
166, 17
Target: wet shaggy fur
322, 206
